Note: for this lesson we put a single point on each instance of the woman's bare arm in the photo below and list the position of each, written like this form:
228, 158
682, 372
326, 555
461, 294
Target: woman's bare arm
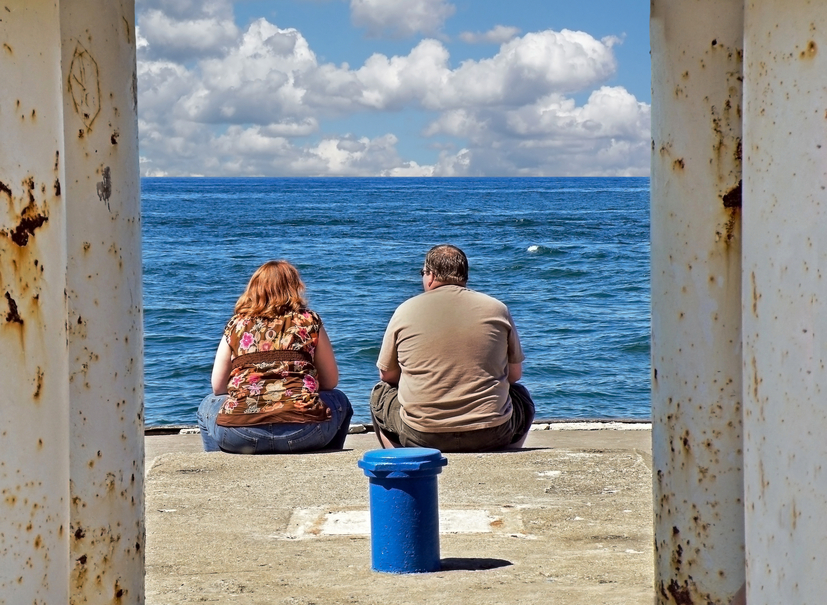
221, 368
325, 361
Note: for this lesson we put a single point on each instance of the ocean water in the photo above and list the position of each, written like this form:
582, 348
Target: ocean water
569, 256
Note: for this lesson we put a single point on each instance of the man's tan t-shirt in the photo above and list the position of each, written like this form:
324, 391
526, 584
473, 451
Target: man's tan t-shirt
453, 346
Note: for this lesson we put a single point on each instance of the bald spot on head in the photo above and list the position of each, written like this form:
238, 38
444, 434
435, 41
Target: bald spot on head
448, 264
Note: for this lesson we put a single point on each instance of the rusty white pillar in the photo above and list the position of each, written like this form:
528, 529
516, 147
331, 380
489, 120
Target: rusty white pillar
71, 462
696, 299
34, 440
104, 298
785, 300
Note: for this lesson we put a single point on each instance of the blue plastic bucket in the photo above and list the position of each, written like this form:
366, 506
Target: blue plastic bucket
404, 509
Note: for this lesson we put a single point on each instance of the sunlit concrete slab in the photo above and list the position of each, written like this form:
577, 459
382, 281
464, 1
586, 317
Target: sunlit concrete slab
315, 522
567, 520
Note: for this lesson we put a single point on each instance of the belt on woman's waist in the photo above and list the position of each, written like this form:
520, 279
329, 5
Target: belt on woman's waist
249, 359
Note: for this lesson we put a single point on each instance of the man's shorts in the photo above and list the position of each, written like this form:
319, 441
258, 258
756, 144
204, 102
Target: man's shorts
386, 411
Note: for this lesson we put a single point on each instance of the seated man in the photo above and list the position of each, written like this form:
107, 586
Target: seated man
449, 364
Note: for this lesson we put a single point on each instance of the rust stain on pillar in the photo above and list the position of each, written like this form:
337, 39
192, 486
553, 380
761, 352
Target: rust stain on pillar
13, 316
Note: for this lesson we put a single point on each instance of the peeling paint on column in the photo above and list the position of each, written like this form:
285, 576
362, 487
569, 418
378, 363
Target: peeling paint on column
13, 316
104, 187
732, 198
30, 220
696, 300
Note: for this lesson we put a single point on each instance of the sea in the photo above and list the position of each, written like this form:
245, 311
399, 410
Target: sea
569, 256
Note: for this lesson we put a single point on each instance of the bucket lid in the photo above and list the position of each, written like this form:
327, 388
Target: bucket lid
402, 459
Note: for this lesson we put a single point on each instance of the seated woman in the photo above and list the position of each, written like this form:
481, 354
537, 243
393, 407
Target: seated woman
274, 374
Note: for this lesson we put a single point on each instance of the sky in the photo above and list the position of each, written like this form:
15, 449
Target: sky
393, 87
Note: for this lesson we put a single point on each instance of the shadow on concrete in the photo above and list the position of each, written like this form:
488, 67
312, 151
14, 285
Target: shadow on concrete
472, 564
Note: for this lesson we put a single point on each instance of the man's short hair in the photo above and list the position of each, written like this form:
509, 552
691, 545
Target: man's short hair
447, 263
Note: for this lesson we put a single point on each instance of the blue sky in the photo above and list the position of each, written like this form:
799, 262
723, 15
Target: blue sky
393, 87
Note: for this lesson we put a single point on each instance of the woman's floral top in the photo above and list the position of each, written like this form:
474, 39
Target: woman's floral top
273, 378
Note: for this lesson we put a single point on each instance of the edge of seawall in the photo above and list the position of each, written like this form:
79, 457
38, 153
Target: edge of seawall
541, 424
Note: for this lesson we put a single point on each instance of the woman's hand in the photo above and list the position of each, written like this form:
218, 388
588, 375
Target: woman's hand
221, 368
327, 372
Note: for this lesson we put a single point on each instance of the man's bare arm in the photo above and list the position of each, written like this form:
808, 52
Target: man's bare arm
390, 376
515, 372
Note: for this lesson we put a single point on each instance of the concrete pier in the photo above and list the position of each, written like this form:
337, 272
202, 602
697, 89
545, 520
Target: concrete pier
567, 520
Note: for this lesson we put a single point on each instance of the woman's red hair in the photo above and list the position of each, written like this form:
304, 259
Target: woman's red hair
274, 289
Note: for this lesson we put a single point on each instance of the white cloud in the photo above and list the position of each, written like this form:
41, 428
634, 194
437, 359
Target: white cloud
410, 169
253, 151
162, 36
181, 10
216, 100
291, 128
256, 82
183, 30
273, 74
523, 70
608, 136
458, 164
497, 35
400, 18
531, 66
610, 112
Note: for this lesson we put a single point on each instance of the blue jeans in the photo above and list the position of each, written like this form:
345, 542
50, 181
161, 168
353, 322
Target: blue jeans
284, 438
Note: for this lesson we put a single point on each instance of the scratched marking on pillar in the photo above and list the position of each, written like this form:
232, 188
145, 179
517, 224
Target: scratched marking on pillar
134, 89
127, 30
105, 187
84, 85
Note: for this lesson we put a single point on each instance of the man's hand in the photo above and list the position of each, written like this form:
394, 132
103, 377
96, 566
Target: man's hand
391, 376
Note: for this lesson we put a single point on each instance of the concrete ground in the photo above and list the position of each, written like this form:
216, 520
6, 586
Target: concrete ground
567, 520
